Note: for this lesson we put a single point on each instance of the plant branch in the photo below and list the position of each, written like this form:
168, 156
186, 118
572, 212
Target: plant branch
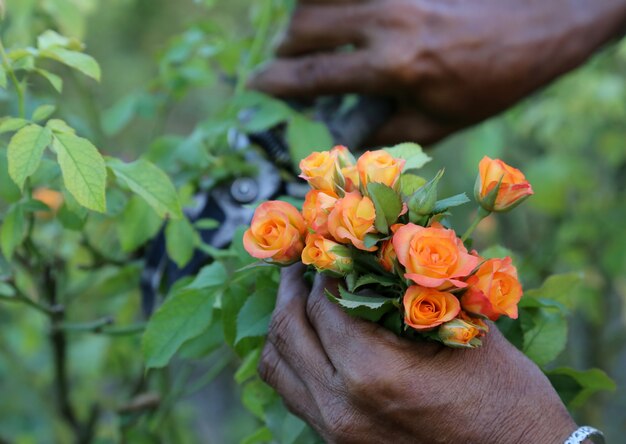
18, 86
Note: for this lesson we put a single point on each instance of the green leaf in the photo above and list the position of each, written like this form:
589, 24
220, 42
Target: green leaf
496, 251
151, 183
58, 126
9, 192
374, 279
12, 124
261, 435
562, 288
256, 395
43, 112
412, 153
25, 150
119, 115
13, 230
410, 183
442, 205
247, 369
83, 169
305, 136
387, 203
184, 315
49, 39
74, 59
370, 240
55, 81
545, 334
70, 219
180, 241
371, 308
255, 315
137, 224
213, 275
575, 386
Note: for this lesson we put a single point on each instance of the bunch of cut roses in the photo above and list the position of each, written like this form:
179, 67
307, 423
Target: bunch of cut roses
380, 227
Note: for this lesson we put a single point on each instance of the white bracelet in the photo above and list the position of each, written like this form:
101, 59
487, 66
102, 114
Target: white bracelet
583, 433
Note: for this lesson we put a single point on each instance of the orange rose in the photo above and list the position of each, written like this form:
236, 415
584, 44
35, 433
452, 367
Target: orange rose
387, 256
326, 255
514, 188
317, 205
460, 334
351, 177
276, 233
434, 256
426, 308
351, 219
380, 167
493, 290
477, 322
321, 170
51, 198
344, 156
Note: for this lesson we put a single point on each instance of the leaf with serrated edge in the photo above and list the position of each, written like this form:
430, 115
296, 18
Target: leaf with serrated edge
25, 150
43, 112
370, 308
412, 153
387, 204
83, 169
183, 316
150, 183
450, 202
77, 60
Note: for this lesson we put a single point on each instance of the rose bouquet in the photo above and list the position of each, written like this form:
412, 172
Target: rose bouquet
380, 227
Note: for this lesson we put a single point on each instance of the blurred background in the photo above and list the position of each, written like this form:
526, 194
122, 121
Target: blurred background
168, 71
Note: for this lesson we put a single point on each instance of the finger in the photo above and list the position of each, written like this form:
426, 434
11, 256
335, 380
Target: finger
276, 373
409, 124
293, 336
317, 28
321, 74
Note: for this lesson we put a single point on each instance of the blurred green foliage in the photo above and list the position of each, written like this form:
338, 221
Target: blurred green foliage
170, 71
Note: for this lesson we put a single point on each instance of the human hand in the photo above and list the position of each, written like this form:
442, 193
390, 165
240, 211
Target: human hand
354, 381
447, 63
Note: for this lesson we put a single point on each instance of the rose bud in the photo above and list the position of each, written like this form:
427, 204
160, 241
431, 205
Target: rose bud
459, 334
494, 290
344, 156
477, 322
317, 205
352, 219
321, 170
434, 256
276, 233
51, 198
500, 187
427, 308
387, 256
379, 167
327, 256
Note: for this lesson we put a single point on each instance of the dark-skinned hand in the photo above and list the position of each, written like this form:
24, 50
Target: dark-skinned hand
355, 382
447, 63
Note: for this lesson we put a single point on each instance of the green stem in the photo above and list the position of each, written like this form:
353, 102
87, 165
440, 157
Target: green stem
90, 327
256, 48
18, 86
482, 213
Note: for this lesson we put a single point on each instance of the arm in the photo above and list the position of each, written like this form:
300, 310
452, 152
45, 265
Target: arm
448, 63
354, 381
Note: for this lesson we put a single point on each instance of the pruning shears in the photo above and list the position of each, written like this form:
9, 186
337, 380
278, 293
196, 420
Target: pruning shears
232, 204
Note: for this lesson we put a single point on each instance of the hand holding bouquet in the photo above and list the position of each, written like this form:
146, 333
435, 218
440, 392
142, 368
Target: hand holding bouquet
381, 228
